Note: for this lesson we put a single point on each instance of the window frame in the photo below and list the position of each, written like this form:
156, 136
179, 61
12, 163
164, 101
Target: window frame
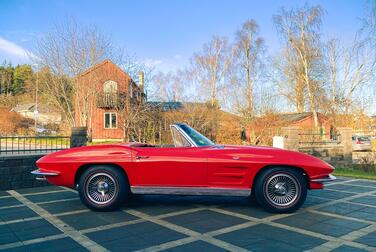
112, 87
110, 118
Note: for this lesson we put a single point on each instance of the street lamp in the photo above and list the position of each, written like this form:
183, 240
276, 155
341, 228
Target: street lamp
36, 112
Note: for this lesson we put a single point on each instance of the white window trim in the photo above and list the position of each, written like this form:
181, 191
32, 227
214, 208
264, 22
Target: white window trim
112, 83
104, 120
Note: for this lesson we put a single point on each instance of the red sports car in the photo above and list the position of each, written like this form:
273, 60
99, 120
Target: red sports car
105, 175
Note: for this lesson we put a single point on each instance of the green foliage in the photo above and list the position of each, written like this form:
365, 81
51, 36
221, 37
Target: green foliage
22, 78
357, 171
15, 80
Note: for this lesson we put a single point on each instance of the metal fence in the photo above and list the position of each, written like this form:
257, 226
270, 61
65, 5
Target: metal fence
312, 138
10, 145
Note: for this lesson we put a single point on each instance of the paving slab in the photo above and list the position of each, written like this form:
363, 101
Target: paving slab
268, 238
51, 196
369, 239
16, 213
197, 246
205, 221
64, 244
134, 237
96, 219
322, 224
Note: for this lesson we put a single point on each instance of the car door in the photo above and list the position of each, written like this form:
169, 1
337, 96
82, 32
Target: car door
170, 167
228, 167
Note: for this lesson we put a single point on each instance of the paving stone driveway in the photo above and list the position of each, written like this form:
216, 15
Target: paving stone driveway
340, 218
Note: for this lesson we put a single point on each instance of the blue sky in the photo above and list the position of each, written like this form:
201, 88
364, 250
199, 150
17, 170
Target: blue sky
163, 33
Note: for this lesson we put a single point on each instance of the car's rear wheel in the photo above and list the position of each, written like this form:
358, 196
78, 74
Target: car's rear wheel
103, 188
280, 189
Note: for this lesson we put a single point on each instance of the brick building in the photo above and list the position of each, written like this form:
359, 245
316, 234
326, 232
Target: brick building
265, 127
104, 92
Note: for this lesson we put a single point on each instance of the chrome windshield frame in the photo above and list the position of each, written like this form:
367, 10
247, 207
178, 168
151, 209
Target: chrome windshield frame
183, 134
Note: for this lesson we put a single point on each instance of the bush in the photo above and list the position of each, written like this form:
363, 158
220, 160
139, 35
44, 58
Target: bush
12, 123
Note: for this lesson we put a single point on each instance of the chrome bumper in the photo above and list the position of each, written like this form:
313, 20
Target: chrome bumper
42, 175
329, 178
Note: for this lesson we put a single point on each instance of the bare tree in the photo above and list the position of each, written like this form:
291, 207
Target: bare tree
210, 66
350, 70
369, 24
352, 67
67, 51
247, 67
170, 86
303, 65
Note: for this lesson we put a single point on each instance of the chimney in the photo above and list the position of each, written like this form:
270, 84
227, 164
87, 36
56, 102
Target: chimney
141, 81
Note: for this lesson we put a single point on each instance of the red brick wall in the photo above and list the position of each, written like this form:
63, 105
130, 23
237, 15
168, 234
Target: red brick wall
308, 123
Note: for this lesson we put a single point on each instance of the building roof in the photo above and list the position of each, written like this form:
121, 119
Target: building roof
294, 117
166, 106
42, 108
104, 62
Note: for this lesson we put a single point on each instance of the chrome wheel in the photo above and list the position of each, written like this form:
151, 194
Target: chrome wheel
282, 189
101, 188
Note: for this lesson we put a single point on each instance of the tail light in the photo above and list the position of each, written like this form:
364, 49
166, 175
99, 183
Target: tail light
358, 141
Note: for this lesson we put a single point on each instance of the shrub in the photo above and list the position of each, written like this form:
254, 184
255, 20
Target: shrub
12, 123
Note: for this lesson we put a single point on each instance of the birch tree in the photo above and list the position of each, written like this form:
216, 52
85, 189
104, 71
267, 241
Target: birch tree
300, 31
209, 67
170, 86
350, 70
247, 67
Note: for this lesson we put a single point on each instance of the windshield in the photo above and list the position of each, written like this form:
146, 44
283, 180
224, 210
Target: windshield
199, 139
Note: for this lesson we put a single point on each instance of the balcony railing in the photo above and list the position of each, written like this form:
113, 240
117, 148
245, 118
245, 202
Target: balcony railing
111, 100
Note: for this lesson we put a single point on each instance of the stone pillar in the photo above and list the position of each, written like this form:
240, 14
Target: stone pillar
78, 137
346, 141
279, 142
291, 136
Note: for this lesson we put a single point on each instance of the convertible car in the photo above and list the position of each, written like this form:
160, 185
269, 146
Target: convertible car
105, 175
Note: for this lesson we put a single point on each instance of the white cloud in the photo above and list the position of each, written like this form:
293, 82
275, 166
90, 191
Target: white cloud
13, 49
153, 62
177, 56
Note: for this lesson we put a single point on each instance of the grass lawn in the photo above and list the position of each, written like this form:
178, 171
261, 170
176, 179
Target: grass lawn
354, 172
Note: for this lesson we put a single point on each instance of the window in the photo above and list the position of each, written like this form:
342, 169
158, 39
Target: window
110, 87
179, 139
110, 120
199, 139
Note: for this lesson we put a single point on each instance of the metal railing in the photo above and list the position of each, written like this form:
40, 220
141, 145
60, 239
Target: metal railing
110, 100
10, 145
311, 138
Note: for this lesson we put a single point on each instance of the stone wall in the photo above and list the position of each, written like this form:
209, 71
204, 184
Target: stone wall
364, 157
15, 172
332, 152
329, 153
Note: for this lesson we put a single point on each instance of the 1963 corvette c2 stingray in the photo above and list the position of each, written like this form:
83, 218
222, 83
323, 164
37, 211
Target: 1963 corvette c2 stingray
105, 175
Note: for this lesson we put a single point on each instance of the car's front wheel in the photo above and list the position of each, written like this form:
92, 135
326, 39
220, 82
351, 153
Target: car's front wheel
102, 188
280, 189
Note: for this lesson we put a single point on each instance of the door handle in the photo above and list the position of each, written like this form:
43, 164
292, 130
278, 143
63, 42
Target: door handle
235, 157
141, 157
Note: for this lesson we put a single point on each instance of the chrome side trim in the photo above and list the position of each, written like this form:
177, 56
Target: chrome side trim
190, 191
329, 178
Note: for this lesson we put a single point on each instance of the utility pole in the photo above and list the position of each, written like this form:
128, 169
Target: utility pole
36, 105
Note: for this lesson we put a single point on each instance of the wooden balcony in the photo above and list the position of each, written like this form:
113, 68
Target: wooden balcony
111, 100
